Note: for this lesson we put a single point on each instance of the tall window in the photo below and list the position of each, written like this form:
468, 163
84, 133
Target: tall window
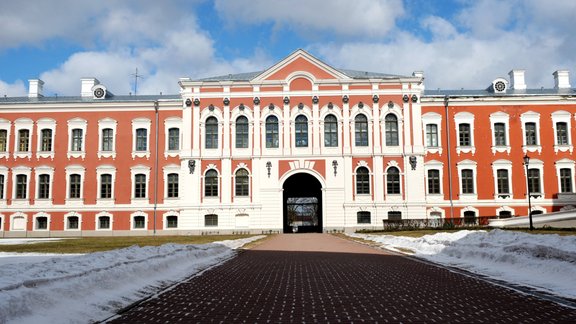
393, 181
242, 132
44, 186
242, 183
141, 139
301, 126
562, 133
534, 180
464, 135
173, 184
3, 140
565, 180
467, 181
140, 186
502, 181
434, 182
21, 186
23, 140
531, 136
362, 181
173, 139
76, 145
499, 134
75, 186
46, 140
431, 135
211, 183
1, 186
107, 139
272, 132
330, 131
391, 125
106, 186
361, 130
211, 133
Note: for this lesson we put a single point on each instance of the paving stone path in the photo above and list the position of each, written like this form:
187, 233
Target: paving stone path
319, 278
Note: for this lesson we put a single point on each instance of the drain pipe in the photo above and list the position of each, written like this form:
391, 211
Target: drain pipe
155, 163
449, 156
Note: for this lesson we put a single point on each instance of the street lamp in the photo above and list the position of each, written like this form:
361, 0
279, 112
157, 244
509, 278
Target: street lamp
526, 163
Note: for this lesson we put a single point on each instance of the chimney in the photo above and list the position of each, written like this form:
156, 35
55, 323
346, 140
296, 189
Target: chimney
561, 79
418, 74
87, 84
517, 80
35, 88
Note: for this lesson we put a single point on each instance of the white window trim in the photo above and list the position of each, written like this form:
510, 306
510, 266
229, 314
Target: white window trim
432, 119
171, 168
104, 124
435, 209
565, 164
468, 165
15, 172
531, 117
464, 118
41, 124
536, 164
100, 170
469, 208
42, 214
504, 118
562, 116
172, 122
502, 165
71, 214
137, 124
4, 172
133, 172
505, 208
7, 126
132, 221
77, 123
19, 124
38, 171
70, 170
434, 165
18, 214
97, 219
165, 220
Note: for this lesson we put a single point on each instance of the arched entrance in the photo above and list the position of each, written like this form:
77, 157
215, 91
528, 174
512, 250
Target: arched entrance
302, 204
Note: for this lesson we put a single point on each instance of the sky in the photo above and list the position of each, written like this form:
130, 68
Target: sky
456, 43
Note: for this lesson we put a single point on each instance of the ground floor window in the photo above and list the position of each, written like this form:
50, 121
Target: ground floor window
139, 222
172, 222
211, 220
41, 223
469, 217
104, 222
363, 217
394, 215
504, 214
73, 222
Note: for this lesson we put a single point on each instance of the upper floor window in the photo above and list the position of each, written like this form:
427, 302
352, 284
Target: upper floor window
502, 181
434, 182
44, 186
500, 134
211, 133
362, 181
361, 130
431, 135
534, 180
531, 133
173, 139
105, 186
2, 181
3, 140
330, 131
140, 186
77, 136
172, 185
393, 181
107, 139
272, 132
301, 131
467, 181
141, 139
391, 125
46, 140
23, 140
75, 186
242, 132
562, 133
242, 183
464, 135
211, 183
21, 186
565, 180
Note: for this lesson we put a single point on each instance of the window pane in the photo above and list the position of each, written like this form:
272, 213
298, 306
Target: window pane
139, 222
500, 134
73, 222
21, 186
433, 181
3, 140
393, 181
76, 145
467, 182
531, 138
41, 223
23, 140
361, 130
211, 133
502, 181
242, 132
362, 181
534, 180
141, 139
107, 139
43, 186
394, 215
562, 133
106, 186
272, 132
211, 184
172, 222
391, 130
464, 135
174, 139
2, 186
330, 131
173, 185
363, 217
211, 220
565, 180
140, 186
46, 140
301, 129
242, 183
75, 186
104, 222
431, 135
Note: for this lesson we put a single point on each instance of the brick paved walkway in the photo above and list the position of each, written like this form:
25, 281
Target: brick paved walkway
322, 278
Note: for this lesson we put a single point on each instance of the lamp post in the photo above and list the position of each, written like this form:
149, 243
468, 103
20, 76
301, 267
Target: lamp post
526, 163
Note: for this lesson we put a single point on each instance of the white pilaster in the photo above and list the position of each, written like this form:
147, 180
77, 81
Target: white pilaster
226, 131
316, 129
377, 133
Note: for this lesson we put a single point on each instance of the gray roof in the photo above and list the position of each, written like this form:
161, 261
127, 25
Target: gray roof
489, 93
68, 99
351, 73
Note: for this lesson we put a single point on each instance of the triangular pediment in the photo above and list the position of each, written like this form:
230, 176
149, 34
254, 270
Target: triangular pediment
300, 63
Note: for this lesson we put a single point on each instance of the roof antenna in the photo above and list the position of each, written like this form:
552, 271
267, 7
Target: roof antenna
136, 76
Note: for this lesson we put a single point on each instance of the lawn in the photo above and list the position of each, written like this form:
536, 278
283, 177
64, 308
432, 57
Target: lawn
97, 244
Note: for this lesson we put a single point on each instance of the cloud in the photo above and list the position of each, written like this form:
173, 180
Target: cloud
16, 89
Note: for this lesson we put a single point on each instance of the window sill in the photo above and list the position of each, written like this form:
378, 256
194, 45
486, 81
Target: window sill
106, 154
532, 148
433, 150
45, 155
140, 154
563, 148
74, 154
23, 155
465, 149
501, 149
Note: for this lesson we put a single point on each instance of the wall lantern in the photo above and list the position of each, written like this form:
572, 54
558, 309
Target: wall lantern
405, 98
345, 99
188, 102
268, 167
300, 106
256, 100
286, 100
375, 99
196, 102
226, 101
414, 98
330, 105
413, 162
360, 105
315, 99
271, 106
390, 104
335, 166
191, 166
211, 107
241, 107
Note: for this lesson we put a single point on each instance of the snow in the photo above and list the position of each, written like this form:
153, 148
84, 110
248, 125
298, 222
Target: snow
546, 262
81, 288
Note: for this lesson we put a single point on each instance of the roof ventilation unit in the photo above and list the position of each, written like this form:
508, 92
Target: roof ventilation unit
499, 85
99, 91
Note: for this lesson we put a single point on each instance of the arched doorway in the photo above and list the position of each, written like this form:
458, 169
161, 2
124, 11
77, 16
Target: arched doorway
302, 204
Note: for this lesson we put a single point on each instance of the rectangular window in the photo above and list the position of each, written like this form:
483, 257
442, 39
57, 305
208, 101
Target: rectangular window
172, 222
76, 140
434, 182
104, 222
562, 133
139, 222
1, 186
46, 144
73, 222
431, 135
467, 181
502, 182
534, 181
211, 220
363, 217
565, 180
464, 135
3, 140
75, 186
394, 215
173, 185
23, 140
173, 139
531, 138
140, 186
141, 139
500, 134
41, 223
44, 186
107, 139
21, 186
106, 186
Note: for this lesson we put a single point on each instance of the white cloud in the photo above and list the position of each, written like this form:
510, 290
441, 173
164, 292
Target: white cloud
16, 89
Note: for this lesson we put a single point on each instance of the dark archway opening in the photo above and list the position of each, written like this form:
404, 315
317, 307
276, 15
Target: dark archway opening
302, 204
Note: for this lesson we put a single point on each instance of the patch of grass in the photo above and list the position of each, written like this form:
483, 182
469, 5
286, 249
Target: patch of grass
97, 244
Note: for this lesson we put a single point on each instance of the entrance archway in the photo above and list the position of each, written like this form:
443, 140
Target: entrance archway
302, 204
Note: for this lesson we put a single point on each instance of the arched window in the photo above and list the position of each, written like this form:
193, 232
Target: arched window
242, 132
391, 126
301, 131
272, 132
361, 130
242, 183
362, 181
211, 133
330, 131
211, 183
393, 181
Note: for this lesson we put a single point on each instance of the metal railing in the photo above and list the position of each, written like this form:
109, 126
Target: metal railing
436, 223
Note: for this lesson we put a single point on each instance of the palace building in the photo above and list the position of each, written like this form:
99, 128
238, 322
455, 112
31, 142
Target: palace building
299, 144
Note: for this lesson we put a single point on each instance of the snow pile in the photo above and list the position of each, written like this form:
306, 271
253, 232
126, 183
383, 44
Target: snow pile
91, 287
543, 261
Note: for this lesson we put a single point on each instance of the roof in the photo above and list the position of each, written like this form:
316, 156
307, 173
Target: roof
68, 99
489, 93
351, 73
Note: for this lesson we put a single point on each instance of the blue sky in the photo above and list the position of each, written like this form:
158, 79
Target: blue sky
457, 43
